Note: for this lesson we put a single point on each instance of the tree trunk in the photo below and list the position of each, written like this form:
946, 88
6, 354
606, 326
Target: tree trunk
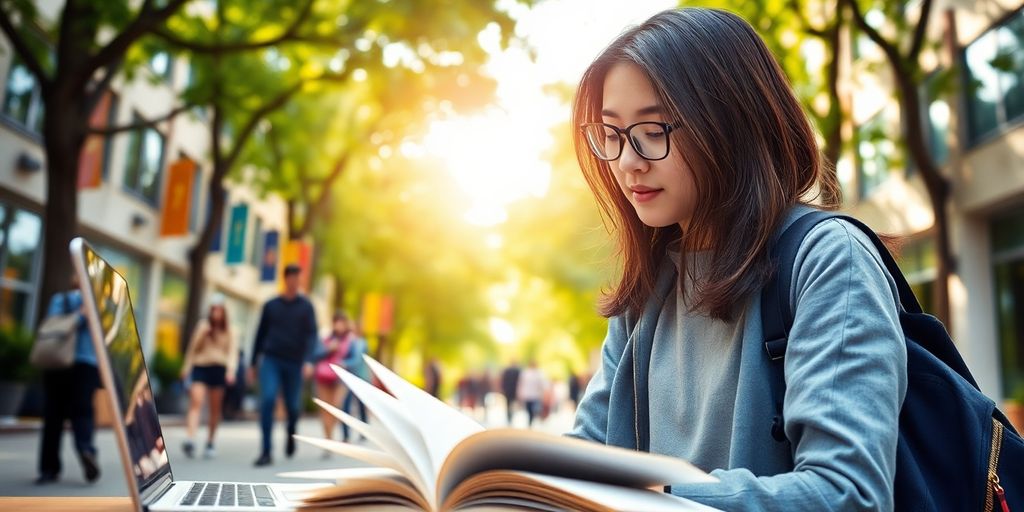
214, 220
936, 184
833, 126
63, 129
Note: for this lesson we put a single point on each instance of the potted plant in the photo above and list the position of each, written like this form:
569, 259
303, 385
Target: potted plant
15, 345
166, 369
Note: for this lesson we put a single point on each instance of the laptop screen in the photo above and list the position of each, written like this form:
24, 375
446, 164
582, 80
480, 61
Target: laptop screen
146, 446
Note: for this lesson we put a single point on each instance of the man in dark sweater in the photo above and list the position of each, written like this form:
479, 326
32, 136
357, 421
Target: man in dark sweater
282, 357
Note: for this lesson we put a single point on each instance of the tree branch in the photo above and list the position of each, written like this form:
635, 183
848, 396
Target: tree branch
22, 49
279, 101
891, 51
290, 34
921, 30
93, 96
144, 23
112, 130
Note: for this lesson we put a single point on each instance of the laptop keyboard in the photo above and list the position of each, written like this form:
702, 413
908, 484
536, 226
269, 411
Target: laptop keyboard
228, 495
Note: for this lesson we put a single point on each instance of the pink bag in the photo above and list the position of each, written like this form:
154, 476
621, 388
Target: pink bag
323, 372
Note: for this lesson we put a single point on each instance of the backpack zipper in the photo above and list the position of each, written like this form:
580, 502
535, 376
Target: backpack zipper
994, 490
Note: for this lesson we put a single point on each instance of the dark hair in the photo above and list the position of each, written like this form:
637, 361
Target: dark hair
339, 315
741, 130
222, 325
291, 269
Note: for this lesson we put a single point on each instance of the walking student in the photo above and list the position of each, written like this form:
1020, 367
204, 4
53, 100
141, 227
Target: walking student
698, 152
285, 341
68, 395
530, 390
355, 364
337, 345
211, 362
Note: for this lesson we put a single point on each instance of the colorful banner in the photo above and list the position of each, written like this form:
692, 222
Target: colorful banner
90, 161
386, 315
370, 319
177, 197
268, 263
300, 253
236, 234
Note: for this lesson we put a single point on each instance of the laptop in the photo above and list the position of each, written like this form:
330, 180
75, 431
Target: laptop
122, 367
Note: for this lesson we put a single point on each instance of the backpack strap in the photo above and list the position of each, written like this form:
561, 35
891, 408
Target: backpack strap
777, 314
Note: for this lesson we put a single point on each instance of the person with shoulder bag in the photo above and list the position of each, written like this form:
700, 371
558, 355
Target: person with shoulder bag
336, 347
70, 379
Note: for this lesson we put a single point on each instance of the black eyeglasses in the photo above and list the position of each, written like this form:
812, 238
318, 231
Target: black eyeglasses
606, 141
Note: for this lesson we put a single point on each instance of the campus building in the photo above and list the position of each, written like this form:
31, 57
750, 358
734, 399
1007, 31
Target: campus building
143, 197
976, 124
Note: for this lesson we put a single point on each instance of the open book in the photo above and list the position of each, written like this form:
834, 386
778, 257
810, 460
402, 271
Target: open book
428, 456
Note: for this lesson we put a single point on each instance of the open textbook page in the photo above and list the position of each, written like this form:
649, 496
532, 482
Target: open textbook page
429, 456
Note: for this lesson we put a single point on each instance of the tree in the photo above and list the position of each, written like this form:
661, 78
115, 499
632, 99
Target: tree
902, 50
245, 74
73, 66
790, 28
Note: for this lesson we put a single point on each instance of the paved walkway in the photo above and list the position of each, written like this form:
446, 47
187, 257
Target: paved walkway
237, 448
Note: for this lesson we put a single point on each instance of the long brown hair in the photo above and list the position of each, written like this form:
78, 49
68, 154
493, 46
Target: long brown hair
741, 130
222, 325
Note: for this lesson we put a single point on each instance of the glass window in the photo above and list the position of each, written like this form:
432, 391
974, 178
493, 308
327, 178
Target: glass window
22, 101
20, 238
23, 238
876, 153
171, 313
14, 307
1009, 277
995, 65
144, 162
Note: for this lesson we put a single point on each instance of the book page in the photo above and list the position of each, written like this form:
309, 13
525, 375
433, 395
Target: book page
377, 436
401, 426
527, 450
441, 425
372, 457
502, 488
361, 485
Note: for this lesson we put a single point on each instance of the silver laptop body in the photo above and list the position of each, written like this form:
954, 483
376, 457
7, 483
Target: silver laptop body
122, 368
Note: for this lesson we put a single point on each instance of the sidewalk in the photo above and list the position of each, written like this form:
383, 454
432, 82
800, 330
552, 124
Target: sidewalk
237, 448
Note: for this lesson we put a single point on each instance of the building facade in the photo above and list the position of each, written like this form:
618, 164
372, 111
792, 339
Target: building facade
974, 103
123, 205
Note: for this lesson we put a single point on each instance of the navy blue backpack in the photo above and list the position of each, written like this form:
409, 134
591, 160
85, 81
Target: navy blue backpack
956, 450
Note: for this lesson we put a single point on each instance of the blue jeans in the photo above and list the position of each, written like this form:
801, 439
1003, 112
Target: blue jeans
278, 374
349, 397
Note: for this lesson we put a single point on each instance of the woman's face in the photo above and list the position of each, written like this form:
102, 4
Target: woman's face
661, 191
217, 313
340, 325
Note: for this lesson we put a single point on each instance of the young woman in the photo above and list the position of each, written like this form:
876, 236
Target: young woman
338, 345
698, 153
211, 359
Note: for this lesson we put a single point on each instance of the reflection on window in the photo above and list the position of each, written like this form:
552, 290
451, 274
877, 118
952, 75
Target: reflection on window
20, 237
144, 162
995, 65
876, 153
23, 235
22, 101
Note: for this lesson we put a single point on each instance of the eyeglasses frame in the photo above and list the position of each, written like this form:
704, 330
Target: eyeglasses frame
623, 134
